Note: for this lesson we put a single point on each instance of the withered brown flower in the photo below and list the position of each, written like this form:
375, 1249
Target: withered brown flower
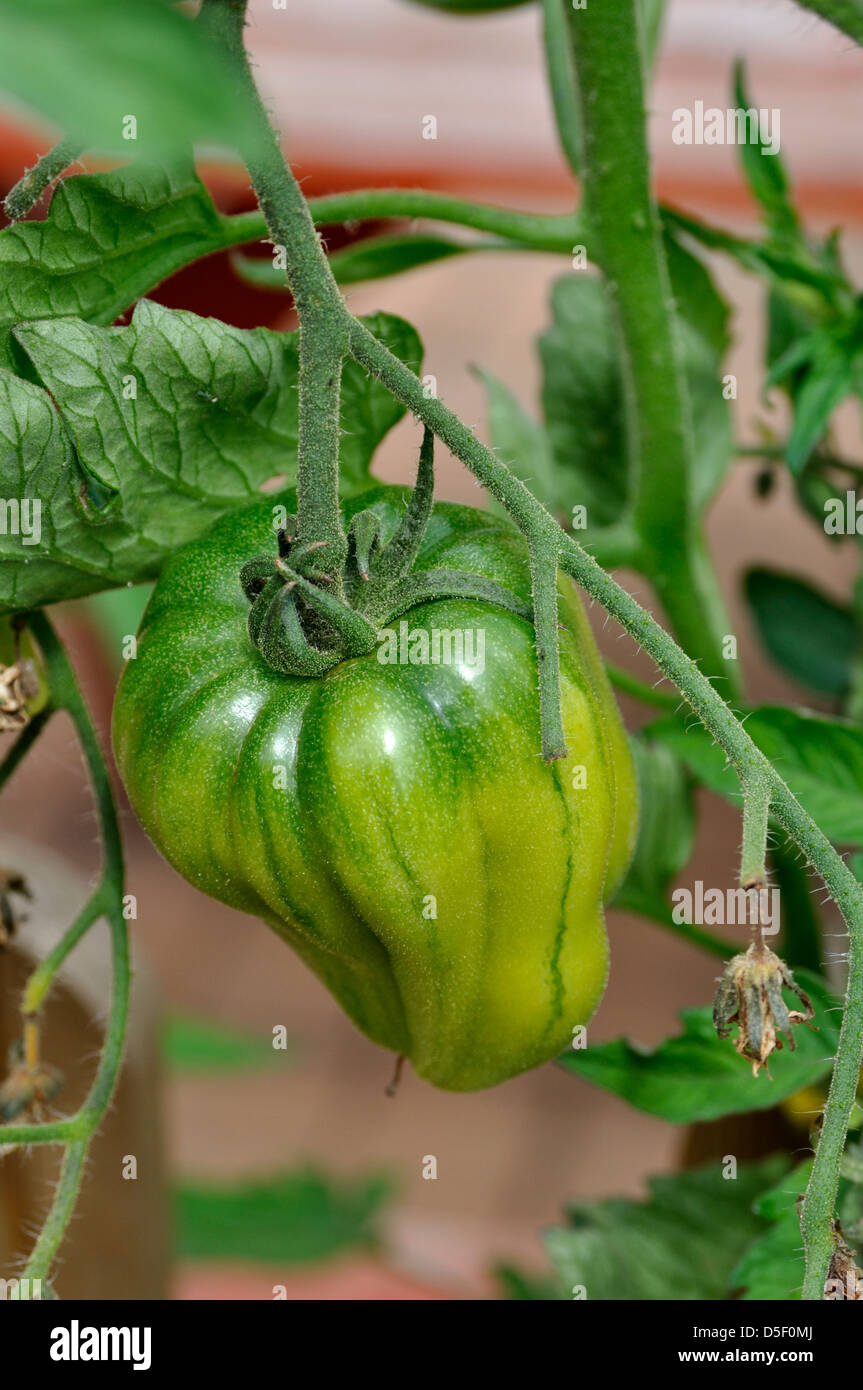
19, 684
26, 1088
750, 995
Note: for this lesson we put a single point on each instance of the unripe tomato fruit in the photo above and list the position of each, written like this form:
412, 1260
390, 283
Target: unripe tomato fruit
395, 823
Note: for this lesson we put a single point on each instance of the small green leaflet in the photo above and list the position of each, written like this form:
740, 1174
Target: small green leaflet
286, 1220
200, 1045
89, 66
766, 175
820, 758
809, 635
520, 442
698, 1076
107, 240
773, 1266
582, 389
665, 832
681, 1243
582, 400
149, 433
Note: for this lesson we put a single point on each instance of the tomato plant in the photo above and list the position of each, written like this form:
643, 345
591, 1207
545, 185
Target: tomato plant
438, 838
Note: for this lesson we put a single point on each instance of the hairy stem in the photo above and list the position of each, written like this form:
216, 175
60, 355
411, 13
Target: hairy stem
543, 570
42, 978
54, 1227
320, 308
756, 809
29, 189
626, 243
539, 232
562, 81
107, 900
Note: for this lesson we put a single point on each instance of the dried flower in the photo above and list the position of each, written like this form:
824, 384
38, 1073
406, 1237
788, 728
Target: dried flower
19, 684
10, 916
26, 1088
844, 1278
750, 995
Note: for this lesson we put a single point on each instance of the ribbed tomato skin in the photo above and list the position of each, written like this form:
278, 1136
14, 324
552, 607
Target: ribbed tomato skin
396, 824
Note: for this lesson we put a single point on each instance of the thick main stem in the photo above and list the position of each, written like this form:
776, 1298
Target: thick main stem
626, 242
320, 308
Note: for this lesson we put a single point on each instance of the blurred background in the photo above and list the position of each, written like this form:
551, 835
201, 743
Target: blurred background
256, 1169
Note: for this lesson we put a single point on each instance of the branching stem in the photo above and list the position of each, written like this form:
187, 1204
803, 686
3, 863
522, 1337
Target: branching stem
107, 900
29, 189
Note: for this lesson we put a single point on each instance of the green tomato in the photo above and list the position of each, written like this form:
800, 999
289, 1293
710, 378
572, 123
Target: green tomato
393, 821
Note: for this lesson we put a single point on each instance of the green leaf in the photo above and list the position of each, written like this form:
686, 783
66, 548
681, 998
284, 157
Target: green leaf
150, 432
802, 944
765, 174
810, 636
88, 66
107, 240
665, 832
793, 272
774, 1264
582, 400
703, 317
788, 323
520, 441
696, 297
371, 259
200, 1045
698, 1076
711, 417
820, 758
519, 1286
582, 390
682, 1243
293, 1219
116, 615
829, 378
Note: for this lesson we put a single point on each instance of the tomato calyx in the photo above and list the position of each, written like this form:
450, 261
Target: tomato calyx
304, 626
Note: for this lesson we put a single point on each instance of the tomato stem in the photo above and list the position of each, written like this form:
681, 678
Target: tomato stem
625, 240
107, 900
29, 189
